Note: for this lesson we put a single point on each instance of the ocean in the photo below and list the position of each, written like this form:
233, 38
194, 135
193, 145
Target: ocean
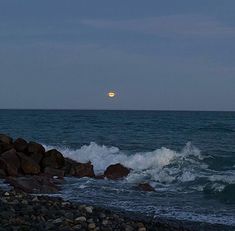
188, 157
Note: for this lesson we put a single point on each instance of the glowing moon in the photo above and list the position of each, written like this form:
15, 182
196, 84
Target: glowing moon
111, 94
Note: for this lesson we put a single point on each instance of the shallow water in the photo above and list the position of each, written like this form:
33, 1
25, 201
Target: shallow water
188, 157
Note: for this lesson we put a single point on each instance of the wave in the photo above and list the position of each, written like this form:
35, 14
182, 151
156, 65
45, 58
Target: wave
162, 167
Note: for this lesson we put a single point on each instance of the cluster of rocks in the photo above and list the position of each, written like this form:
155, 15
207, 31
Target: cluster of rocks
25, 212
29, 167
21, 211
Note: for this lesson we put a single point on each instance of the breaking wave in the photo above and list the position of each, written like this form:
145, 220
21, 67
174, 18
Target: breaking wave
161, 167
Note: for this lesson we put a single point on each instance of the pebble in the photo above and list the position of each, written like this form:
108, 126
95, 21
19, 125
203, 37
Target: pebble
80, 219
58, 221
35, 199
89, 209
7, 194
142, 229
91, 226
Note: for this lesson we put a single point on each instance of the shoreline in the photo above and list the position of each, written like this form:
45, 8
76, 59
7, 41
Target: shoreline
22, 211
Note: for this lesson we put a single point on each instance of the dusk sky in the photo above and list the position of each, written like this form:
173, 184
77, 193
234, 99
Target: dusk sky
157, 55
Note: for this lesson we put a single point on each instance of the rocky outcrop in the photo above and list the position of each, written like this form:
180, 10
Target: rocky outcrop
28, 165
20, 145
35, 151
73, 168
5, 139
5, 147
53, 159
116, 171
10, 162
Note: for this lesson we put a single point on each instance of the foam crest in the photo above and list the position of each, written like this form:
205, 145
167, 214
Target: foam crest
161, 165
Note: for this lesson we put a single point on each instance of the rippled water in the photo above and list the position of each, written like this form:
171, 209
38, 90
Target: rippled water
188, 157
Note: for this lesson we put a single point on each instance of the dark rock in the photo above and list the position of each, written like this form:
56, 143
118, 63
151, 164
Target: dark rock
33, 184
77, 169
35, 151
6, 139
53, 159
5, 147
99, 177
10, 162
20, 145
28, 165
116, 171
145, 187
54, 172
2, 173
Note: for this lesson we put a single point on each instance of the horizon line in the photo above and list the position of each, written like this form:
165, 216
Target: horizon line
105, 109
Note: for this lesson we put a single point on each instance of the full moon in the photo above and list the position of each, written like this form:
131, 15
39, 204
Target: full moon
111, 94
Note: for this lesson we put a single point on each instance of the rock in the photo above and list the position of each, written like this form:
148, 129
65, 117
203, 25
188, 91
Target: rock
35, 199
35, 151
6, 139
116, 171
20, 145
33, 184
58, 221
2, 173
129, 228
77, 169
80, 219
53, 159
145, 187
91, 226
7, 194
54, 172
89, 209
28, 165
99, 177
10, 162
142, 229
5, 147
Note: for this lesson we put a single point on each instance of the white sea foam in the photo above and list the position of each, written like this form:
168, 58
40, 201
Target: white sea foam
161, 165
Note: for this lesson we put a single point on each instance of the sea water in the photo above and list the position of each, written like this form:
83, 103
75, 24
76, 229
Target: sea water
188, 157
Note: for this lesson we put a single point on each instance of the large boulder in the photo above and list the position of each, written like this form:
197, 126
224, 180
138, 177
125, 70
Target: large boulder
35, 151
53, 159
73, 168
10, 162
6, 139
33, 184
20, 145
116, 171
5, 147
28, 165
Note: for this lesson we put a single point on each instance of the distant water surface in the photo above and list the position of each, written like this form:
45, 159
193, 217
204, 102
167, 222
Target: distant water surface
189, 157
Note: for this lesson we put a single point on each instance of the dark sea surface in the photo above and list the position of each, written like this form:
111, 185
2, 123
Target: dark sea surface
188, 157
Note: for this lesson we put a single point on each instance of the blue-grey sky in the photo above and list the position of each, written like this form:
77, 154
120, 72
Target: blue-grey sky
156, 54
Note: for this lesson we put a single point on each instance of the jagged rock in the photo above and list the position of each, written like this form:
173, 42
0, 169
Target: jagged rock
116, 171
33, 184
10, 162
35, 151
20, 145
53, 159
145, 187
77, 169
28, 165
6, 139
54, 172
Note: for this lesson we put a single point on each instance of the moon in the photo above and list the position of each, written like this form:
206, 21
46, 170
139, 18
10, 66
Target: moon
111, 94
